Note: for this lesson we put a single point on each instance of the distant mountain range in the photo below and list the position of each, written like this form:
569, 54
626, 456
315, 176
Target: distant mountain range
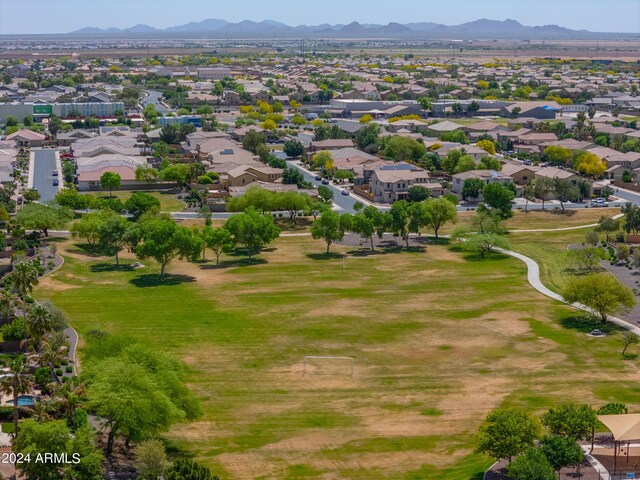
479, 29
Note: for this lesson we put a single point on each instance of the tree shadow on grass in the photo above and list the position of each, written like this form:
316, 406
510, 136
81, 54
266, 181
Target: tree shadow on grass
475, 257
155, 280
85, 249
439, 241
240, 262
110, 267
325, 256
587, 323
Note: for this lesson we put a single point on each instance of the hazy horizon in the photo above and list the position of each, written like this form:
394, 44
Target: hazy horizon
63, 16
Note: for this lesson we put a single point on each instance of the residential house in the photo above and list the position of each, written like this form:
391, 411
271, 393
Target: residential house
487, 176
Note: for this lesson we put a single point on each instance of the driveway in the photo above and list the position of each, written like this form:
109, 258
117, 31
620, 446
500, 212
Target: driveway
43, 165
345, 202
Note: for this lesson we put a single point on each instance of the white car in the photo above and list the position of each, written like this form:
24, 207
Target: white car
599, 202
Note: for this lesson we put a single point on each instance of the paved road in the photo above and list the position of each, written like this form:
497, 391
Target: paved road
345, 202
153, 98
44, 164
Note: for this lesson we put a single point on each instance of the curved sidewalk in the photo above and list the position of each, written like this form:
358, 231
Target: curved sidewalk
533, 276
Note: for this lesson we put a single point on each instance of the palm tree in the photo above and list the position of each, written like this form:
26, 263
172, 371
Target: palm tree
17, 382
23, 277
40, 409
70, 395
53, 350
8, 304
38, 322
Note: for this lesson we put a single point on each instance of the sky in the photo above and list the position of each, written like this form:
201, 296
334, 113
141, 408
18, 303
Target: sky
62, 16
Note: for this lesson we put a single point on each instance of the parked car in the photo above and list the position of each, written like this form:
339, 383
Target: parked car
344, 192
55, 182
599, 202
54, 173
325, 182
318, 178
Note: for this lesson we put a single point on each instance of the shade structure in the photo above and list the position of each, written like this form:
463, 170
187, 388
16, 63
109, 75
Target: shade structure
624, 427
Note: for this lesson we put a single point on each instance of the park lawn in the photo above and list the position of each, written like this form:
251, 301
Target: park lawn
538, 219
168, 202
549, 249
439, 339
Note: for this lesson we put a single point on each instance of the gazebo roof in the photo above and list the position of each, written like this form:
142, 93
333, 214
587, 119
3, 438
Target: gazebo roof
624, 427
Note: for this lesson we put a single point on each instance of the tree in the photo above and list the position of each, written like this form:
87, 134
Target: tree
366, 223
561, 452
330, 227
417, 193
571, 420
110, 180
292, 176
114, 233
365, 119
23, 277
564, 191
507, 432
488, 146
531, 465
87, 226
425, 103
252, 230
601, 292
219, 240
140, 202
557, 154
322, 158
147, 174
252, 140
628, 339
471, 188
367, 138
39, 438
38, 323
440, 211
188, 469
464, 164
36, 216
16, 382
293, 148
293, 202
543, 187
130, 401
70, 198
490, 163
163, 240
591, 165
151, 460
31, 195
179, 173
607, 225
325, 193
528, 193
587, 258
483, 243
403, 148
498, 197
631, 218
613, 408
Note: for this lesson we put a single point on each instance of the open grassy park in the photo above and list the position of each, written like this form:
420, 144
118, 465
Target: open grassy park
168, 202
439, 338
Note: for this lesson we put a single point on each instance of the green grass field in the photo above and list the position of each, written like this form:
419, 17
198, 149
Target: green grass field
168, 202
439, 339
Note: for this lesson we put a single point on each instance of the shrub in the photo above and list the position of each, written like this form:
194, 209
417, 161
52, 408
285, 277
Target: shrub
68, 369
43, 375
59, 372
